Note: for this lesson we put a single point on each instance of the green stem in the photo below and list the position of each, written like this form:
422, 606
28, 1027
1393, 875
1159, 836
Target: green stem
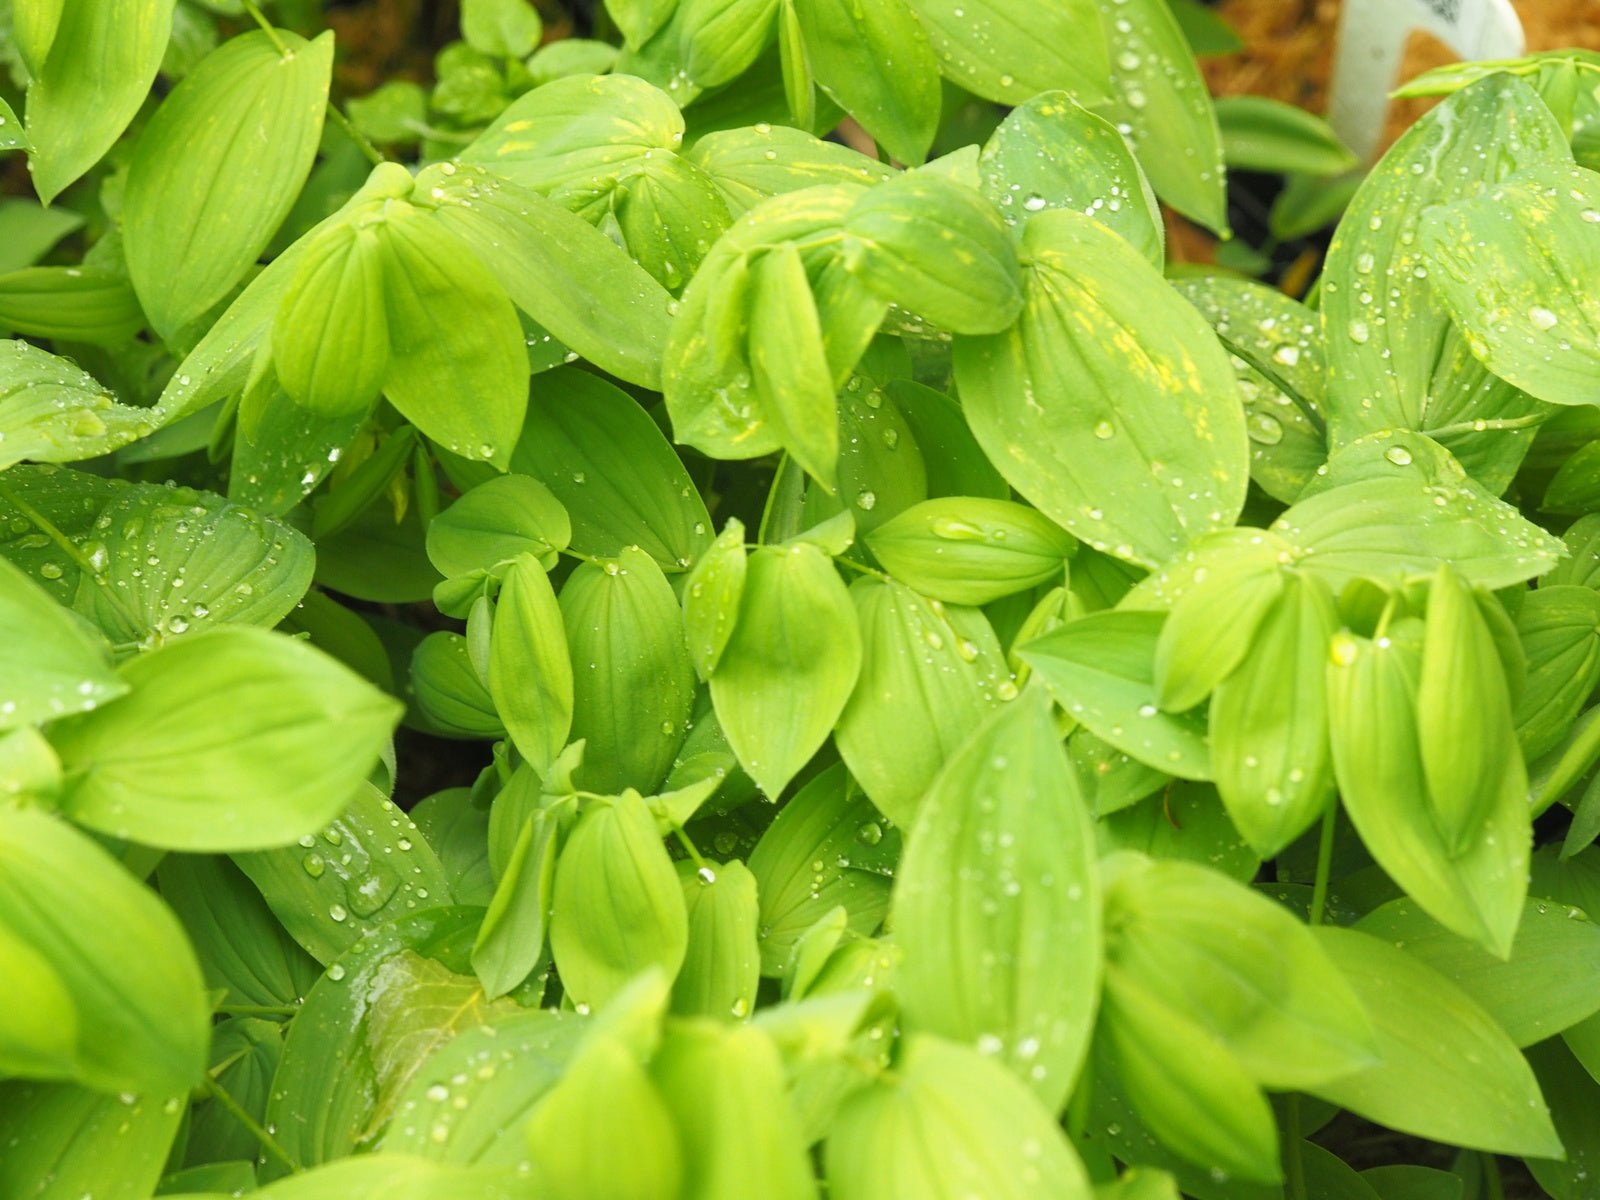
372, 153
862, 568
71, 550
1295, 1162
1486, 425
1493, 1186
1319, 886
268, 1143
260, 19
688, 845
339, 119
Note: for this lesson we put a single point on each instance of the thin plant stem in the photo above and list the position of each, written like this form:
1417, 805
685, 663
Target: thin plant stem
373, 155
270, 1144
1294, 1161
1493, 1187
257, 1010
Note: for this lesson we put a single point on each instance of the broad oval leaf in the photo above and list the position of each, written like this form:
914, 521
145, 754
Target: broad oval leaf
997, 903
117, 952
913, 1135
1050, 153
632, 681
1395, 360
89, 77
331, 334
618, 907
496, 521
369, 867
722, 966
924, 684
162, 562
457, 367
1445, 1070
50, 665
44, 1126
1139, 468
1009, 50
971, 550
530, 670
167, 768
205, 193
608, 463
936, 248
790, 665
1101, 669
52, 411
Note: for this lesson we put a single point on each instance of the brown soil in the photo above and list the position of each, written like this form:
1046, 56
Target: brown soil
1288, 48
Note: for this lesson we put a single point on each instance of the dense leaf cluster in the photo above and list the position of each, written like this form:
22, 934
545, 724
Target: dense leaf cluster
955, 711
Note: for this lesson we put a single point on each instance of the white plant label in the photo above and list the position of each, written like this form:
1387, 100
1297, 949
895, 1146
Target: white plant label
1372, 40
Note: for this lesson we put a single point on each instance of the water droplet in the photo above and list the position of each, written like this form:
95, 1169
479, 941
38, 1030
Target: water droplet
1264, 428
1542, 318
1398, 455
336, 972
337, 912
1105, 430
314, 865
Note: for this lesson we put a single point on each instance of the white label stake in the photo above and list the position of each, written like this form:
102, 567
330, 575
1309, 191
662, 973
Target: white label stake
1372, 39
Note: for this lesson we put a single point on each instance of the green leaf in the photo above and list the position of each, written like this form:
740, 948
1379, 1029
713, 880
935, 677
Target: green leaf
91, 70
1082, 449
205, 191
50, 665
70, 304
722, 966
1476, 891
531, 1050
1445, 1070
511, 940
213, 563
1572, 1094
938, 249
997, 904
727, 1091
720, 39
737, 162
1394, 505
928, 677
1395, 360
44, 1127
331, 336
501, 28
137, 1016
167, 768
530, 670
1049, 153
365, 1030
1269, 721
395, 1177
826, 822
1465, 734
1261, 134
1009, 50
1158, 94
1278, 355
1184, 1084
11, 135
605, 1130
912, 1135
561, 271
457, 369
638, 20
241, 947
1101, 669
608, 463
1559, 628
367, 868
874, 61
792, 382
1213, 621
1239, 965
711, 599
633, 690
1533, 995
1502, 261
790, 665
448, 689
501, 518
618, 907
51, 411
